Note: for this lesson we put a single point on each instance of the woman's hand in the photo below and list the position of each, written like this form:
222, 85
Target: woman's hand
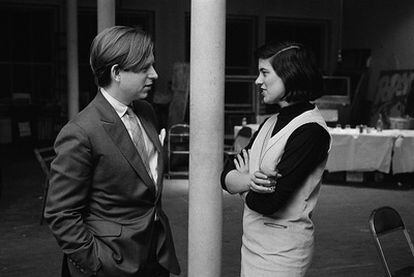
258, 182
262, 183
241, 162
237, 180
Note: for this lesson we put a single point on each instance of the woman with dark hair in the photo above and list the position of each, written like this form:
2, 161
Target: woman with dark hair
279, 173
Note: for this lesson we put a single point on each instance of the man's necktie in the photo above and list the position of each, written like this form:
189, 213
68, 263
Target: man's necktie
137, 135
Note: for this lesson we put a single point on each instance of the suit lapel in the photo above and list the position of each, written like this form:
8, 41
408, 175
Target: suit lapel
119, 135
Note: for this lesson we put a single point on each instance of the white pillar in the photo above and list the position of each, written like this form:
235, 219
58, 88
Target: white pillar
72, 57
208, 19
106, 14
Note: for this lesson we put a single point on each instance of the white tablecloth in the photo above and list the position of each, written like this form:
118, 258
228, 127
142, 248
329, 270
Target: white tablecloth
352, 151
382, 151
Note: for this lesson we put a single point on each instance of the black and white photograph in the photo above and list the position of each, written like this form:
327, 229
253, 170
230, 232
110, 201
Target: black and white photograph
207, 138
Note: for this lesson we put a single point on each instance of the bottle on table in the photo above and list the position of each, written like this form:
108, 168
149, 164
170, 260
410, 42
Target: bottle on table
244, 122
380, 124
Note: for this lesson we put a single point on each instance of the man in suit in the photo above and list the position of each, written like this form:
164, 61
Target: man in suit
104, 202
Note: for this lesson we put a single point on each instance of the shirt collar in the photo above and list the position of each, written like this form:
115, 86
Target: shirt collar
296, 109
119, 107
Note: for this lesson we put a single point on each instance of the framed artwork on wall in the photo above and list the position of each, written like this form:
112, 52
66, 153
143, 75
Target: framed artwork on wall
395, 95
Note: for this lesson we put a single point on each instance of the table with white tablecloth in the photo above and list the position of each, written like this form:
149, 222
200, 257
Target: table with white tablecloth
388, 151
354, 151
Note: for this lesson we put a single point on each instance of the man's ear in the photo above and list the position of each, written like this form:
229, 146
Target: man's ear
115, 73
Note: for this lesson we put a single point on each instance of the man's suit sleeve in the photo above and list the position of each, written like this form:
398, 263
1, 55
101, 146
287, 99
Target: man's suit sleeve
70, 181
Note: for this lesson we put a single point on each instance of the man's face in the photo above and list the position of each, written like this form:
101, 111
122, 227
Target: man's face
136, 85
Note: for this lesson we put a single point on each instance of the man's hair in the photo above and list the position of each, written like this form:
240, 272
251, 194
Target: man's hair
129, 48
296, 66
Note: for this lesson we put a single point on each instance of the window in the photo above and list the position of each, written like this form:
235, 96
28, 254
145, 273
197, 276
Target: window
240, 45
27, 62
241, 41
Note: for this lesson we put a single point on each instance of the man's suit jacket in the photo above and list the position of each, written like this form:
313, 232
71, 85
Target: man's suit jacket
102, 201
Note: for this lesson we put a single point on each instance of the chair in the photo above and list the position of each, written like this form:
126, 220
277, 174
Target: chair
384, 222
45, 156
241, 140
178, 149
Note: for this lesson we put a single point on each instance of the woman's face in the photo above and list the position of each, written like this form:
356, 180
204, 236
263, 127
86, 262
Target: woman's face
271, 85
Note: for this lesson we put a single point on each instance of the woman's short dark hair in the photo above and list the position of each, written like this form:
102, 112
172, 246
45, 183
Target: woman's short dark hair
296, 66
129, 48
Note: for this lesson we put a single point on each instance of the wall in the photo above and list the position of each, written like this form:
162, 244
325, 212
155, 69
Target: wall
384, 26
170, 22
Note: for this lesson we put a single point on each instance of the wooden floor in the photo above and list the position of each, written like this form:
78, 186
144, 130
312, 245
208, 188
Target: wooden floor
344, 246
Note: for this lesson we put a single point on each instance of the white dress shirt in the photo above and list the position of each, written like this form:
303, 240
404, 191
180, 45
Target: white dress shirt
121, 110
